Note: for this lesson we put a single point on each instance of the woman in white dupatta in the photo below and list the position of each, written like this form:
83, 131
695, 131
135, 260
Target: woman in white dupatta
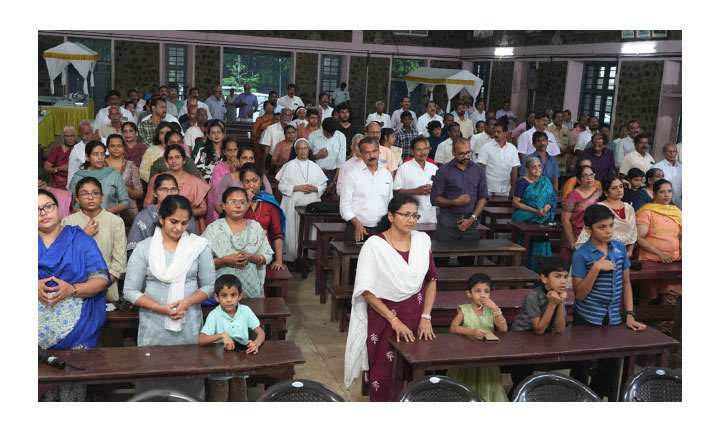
302, 182
393, 268
168, 276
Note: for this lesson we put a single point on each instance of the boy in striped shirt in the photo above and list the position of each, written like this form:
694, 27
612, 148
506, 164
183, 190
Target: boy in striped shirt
601, 281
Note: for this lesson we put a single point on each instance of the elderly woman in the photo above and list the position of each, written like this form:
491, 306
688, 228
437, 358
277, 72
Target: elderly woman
115, 196
534, 201
134, 149
301, 182
396, 278
228, 163
191, 187
572, 182
72, 277
129, 172
207, 156
645, 195
144, 224
59, 159
168, 276
573, 209
239, 246
282, 149
659, 227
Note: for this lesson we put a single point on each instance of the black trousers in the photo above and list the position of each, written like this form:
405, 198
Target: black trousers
601, 379
447, 230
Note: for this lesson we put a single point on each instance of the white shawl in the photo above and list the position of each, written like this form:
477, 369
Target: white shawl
187, 251
383, 272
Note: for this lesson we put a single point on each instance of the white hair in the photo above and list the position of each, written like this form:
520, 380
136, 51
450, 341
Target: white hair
69, 128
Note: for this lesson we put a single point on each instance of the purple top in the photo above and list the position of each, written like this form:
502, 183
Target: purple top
450, 182
602, 165
250, 100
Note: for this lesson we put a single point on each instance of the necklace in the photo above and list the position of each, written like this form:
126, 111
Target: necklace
307, 171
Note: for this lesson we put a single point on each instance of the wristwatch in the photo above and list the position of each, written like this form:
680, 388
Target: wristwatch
74, 290
473, 216
426, 316
630, 313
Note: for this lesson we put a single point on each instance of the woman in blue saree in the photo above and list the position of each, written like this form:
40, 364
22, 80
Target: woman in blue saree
534, 201
72, 279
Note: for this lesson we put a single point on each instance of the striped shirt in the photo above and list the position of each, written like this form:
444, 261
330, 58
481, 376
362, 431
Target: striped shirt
606, 294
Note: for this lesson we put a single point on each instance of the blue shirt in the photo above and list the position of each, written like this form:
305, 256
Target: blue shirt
450, 182
606, 293
550, 166
237, 327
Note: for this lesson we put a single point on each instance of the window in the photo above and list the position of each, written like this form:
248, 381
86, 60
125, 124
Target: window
264, 70
176, 66
398, 87
330, 75
411, 32
598, 90
480, 34
482, 71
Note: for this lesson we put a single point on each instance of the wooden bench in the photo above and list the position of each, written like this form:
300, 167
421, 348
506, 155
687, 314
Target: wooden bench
490, 215
276, 283
271, 311
529, 230
307, 220
276, 359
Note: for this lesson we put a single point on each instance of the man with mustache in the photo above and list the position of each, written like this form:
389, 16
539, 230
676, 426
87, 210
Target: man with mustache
460, 191
366, 193
638, 158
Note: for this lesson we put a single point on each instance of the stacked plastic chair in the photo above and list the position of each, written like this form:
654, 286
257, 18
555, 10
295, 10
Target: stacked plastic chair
299, 391
163, 395
553, 387
654, 385
438, 389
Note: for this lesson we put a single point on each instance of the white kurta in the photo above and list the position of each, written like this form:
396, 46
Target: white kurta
292, 174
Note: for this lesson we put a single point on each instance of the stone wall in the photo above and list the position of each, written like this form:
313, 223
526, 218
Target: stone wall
137, 64
378, 76
207, 69
44, 43
435, 38
554, 37
319, 35
551, 93
500, 84
638, 98
306, 71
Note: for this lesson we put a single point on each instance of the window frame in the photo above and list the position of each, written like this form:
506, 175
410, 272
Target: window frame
596, 76
419, 33
336, 77
181, 85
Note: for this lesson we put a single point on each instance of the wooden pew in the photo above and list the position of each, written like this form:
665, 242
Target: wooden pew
276, 283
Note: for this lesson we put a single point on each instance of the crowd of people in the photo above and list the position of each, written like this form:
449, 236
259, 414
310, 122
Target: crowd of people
155, 189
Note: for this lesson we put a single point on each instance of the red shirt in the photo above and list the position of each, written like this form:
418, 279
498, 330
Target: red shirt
58, 157
268, 216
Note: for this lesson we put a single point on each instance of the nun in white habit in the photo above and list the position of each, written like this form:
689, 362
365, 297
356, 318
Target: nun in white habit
301, 181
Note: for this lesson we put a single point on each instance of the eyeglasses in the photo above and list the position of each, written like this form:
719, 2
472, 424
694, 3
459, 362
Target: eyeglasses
467, 153
47, 208
87, 194
237, 202
172, 190
587, 176
408, 215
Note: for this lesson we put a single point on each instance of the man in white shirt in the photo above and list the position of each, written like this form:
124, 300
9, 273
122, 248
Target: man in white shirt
478, 140
328, 146
430, 115
379, 116
501, 163
466, 125
173, 102
638, 158
77, 154
395, 120
479, 113
350, 164
627, 144
275, 133
194, 93
290, 100
366, 193
505, 111
443, 154
525, 141
341, 94
325, 109
415, 177
585, 137
216, 104
115, 125
672, 169
112, 98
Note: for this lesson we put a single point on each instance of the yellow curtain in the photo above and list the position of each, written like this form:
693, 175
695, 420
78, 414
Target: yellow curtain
46, 131
71, 116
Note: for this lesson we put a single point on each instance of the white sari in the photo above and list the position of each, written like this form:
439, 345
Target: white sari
292, 174
384, 273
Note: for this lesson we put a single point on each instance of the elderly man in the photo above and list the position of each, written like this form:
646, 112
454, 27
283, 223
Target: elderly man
415, 177
601, 157
112, 99
672, 168
430, 115
216, 103
466, 125
564, 139
478, 140
379, 115
549, 163
366, 193
638, 158
290, 100
387, 158
341, 95
479, 113
246, 102
173, 102
325, 109
500, 162
193, 94
459, 190
158, 113
115, 125
275, 133
525, 141
350, 164
328, 147
626, 145
59, 157
77, 155
396, 119
444, 154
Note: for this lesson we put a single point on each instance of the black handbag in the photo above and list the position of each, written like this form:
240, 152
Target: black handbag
322, 207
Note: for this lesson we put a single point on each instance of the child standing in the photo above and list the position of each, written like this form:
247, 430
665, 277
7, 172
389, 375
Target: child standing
601, 281
543, 309
475, 320
229, 323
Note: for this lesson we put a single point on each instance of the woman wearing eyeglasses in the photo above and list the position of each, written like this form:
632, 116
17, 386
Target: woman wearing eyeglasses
396, 278
115, 197
573, 209
72, 277
239, 246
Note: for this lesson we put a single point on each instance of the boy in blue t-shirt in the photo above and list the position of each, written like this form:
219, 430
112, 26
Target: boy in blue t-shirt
601, 281
229, 323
